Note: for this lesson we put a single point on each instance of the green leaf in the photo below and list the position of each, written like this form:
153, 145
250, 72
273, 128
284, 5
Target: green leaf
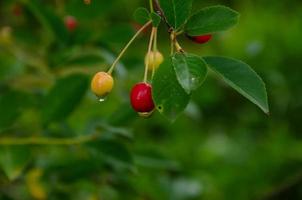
169, 97
51, 22
191, 70
116, 131
13, 160
113, 152
155, 160
176, 12
84, 58
242, 78
11, 105
156, 19
98, 10
142, 15
210, 20
64, 97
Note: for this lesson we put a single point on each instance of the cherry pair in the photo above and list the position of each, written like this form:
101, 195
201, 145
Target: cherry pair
140, 96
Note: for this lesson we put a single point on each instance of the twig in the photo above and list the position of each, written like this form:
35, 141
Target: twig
10, 141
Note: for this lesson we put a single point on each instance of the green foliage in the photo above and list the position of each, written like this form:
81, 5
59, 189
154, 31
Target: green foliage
242, 78
220, 148
169, 97
191, 70
156, 19
142, 15
52, 23
176, 12
64, 97
13, 160
11, 105
210, 20
114, 153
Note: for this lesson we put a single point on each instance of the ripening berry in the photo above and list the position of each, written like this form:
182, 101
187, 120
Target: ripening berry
153, 59
102, 84
141, 99
201, 39
71, 23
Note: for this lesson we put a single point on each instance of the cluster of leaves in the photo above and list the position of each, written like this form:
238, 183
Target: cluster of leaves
184, 73
44, 77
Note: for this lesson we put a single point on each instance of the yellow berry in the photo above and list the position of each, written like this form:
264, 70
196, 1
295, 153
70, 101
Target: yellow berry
153, 59
102, 84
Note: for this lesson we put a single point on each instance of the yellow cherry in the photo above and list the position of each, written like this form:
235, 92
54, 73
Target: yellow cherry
154, 59
102, 84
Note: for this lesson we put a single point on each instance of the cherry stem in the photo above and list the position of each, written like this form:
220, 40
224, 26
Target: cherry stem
172, 43
127, 46
179, 33
148, 54
175, 43
151, 6
154, 52
178, 47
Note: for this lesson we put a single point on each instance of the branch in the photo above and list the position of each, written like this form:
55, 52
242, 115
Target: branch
10, 141
161, 13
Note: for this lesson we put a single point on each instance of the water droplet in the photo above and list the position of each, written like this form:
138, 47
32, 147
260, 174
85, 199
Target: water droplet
102, 99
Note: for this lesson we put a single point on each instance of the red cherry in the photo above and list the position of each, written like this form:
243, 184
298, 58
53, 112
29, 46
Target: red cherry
17, 10
141, 98
71, 23
201, 39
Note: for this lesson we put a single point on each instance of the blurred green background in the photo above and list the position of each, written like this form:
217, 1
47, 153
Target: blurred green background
222, 148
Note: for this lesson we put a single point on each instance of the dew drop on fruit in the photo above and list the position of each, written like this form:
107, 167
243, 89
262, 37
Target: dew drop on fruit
102, 99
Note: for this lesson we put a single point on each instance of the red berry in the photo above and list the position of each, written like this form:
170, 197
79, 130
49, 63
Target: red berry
71, 23
201, 39
87, 2
17, 10
141, 98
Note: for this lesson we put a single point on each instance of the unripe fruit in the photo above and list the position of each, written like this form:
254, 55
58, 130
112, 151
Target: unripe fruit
201, 39
141, 99
153, 59
102, 84
71, 23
